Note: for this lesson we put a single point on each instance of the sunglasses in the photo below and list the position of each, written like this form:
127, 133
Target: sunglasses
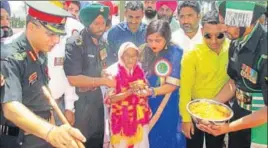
219, 36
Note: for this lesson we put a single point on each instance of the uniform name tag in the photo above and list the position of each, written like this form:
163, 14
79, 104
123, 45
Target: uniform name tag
58, 61
103, 54
249, 73
91, 55
32, 78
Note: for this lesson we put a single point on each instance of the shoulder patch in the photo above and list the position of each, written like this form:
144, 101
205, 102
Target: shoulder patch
7, 50
20, 56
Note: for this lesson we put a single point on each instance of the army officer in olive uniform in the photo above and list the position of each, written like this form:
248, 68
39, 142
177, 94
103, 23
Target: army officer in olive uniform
248, 72
23, 65
85, 59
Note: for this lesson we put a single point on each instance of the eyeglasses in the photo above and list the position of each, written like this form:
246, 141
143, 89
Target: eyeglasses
43, 24
219, 36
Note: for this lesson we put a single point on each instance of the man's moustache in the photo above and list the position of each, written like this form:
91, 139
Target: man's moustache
94, 35
186, 24
149, 8
4, 27
164, 17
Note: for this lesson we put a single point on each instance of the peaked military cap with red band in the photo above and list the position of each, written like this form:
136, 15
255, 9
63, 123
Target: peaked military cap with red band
49, 15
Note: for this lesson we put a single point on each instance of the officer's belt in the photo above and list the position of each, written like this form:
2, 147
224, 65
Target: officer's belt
9, 130
254, 102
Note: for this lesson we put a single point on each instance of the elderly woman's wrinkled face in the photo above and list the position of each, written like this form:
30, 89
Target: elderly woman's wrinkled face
130, 58
156, 42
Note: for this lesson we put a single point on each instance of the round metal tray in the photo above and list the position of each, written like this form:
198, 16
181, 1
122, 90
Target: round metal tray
198, 119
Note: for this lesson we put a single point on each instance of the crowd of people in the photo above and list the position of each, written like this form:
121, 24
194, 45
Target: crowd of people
127, 85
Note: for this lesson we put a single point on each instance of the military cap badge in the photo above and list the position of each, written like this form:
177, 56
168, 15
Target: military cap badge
101, 9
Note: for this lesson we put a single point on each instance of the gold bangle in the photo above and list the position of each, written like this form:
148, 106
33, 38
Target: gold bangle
52, 128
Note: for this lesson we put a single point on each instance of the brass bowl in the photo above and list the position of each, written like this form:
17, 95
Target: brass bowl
198, 119
138, 85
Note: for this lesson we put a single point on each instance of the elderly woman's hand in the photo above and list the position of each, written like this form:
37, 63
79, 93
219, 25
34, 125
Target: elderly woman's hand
144, 92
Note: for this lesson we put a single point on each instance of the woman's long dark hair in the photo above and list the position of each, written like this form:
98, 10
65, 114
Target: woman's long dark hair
159, 26
148, 57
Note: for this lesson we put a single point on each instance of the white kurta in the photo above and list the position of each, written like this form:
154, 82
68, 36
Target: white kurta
147, 21
58, 83
187, 44
174, 25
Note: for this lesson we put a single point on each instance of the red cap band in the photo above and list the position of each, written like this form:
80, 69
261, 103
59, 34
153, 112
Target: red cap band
44, 16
